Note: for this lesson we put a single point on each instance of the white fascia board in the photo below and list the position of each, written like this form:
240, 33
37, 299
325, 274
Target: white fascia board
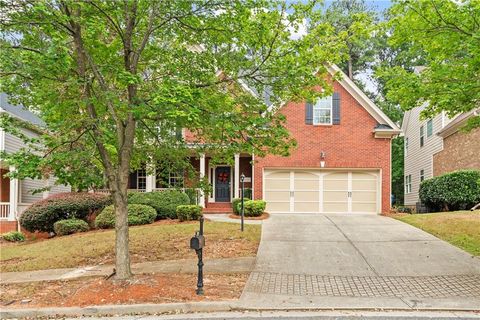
361, 97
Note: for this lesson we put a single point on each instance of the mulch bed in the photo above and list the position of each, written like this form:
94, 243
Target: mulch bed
264, 216
150, 288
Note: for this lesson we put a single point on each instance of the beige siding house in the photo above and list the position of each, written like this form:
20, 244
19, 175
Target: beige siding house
421, 143
17, 195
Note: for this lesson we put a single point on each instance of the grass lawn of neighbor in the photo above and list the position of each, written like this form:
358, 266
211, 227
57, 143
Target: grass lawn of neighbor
163, 240
460, 228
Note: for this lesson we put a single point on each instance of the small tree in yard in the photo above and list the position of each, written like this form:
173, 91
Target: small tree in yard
113, 80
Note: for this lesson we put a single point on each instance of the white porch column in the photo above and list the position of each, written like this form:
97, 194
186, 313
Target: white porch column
236, 182
150, 178
202, 175
13, 197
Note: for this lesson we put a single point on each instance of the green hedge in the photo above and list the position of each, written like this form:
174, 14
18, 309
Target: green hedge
189, 212
457, 190
236, 204
164, 202
70, 226
138, 214
43, 214
254, 208
13, 236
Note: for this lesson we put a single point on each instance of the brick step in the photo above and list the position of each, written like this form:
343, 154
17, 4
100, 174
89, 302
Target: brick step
221, 205
217, 210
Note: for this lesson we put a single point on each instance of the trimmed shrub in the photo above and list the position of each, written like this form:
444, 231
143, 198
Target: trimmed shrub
164, 202
457, 190
13, 236
189, 212
254, 208
404, 210
41, 215
192, 195
69, 226
138, 214
236, 205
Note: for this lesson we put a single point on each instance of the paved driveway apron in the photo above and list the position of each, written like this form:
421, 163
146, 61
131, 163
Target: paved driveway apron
358, 261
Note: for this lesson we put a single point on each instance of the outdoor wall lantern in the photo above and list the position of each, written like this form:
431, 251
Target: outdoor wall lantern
323, 155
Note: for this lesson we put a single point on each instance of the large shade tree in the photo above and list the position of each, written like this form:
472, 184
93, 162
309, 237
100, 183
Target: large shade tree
443, 37
113, 80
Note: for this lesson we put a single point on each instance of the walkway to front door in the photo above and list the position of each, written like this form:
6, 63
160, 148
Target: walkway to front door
222, 184
361, 261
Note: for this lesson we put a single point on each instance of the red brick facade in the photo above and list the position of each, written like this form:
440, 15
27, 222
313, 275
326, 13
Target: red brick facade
351, 144
460, 151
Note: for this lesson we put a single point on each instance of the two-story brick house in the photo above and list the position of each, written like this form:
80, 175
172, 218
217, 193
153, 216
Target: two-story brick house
342, 162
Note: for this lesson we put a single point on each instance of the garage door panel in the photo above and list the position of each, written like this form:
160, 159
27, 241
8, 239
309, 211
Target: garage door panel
306, 185
278, 206
306, 196
306, 206
335, 206
335, 184
277, 195
278, 175
364, 207
280, 184
364, 184
368, 196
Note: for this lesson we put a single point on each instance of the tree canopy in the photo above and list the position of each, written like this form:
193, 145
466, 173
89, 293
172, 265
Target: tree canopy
443, 37
113, 80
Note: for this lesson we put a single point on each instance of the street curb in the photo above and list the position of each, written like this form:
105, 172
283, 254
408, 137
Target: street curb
110, 310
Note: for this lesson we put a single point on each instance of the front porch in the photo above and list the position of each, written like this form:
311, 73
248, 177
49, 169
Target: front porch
8, 195
224, 180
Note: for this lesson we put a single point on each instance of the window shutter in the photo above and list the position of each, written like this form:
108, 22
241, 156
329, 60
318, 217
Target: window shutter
308, 113
336, 108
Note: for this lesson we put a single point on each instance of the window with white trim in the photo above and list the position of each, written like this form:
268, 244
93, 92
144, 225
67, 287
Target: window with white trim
422, 136
429, 128
408, 183
141, 179
322, 111
176, 179
406, 146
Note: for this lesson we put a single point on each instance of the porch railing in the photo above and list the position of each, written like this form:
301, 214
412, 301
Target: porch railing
193, 193
4, 210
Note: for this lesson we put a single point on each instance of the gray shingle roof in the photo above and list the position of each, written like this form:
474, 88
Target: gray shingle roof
19, 111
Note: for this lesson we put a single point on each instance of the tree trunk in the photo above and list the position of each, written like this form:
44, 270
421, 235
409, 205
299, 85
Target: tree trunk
122, 254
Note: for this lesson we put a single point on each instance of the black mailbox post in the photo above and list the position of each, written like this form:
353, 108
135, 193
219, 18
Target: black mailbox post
197, 242
242, 211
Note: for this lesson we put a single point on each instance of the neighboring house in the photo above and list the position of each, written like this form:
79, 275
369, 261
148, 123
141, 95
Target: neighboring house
17, 195
461, 150
342, 162
434, 147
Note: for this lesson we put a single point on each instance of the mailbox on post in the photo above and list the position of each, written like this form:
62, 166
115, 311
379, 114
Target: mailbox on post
197, 242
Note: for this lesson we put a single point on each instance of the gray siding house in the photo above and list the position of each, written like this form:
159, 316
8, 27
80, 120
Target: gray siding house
17, 195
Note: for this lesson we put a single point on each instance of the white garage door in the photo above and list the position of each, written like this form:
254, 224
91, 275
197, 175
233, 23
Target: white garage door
321, 191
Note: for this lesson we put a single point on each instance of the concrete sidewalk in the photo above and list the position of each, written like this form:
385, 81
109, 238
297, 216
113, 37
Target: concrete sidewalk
227, 265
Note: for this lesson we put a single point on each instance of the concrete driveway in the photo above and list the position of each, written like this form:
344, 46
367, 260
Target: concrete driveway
358, 261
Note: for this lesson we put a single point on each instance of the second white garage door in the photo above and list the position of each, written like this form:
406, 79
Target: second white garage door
321, 191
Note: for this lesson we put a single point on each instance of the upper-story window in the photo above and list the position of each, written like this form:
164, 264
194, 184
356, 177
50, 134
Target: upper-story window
422, 136
322, 111
408, 183
406, 145
429, 128
422, 175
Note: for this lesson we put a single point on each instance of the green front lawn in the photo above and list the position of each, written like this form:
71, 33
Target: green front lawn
163, 240
460, 228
